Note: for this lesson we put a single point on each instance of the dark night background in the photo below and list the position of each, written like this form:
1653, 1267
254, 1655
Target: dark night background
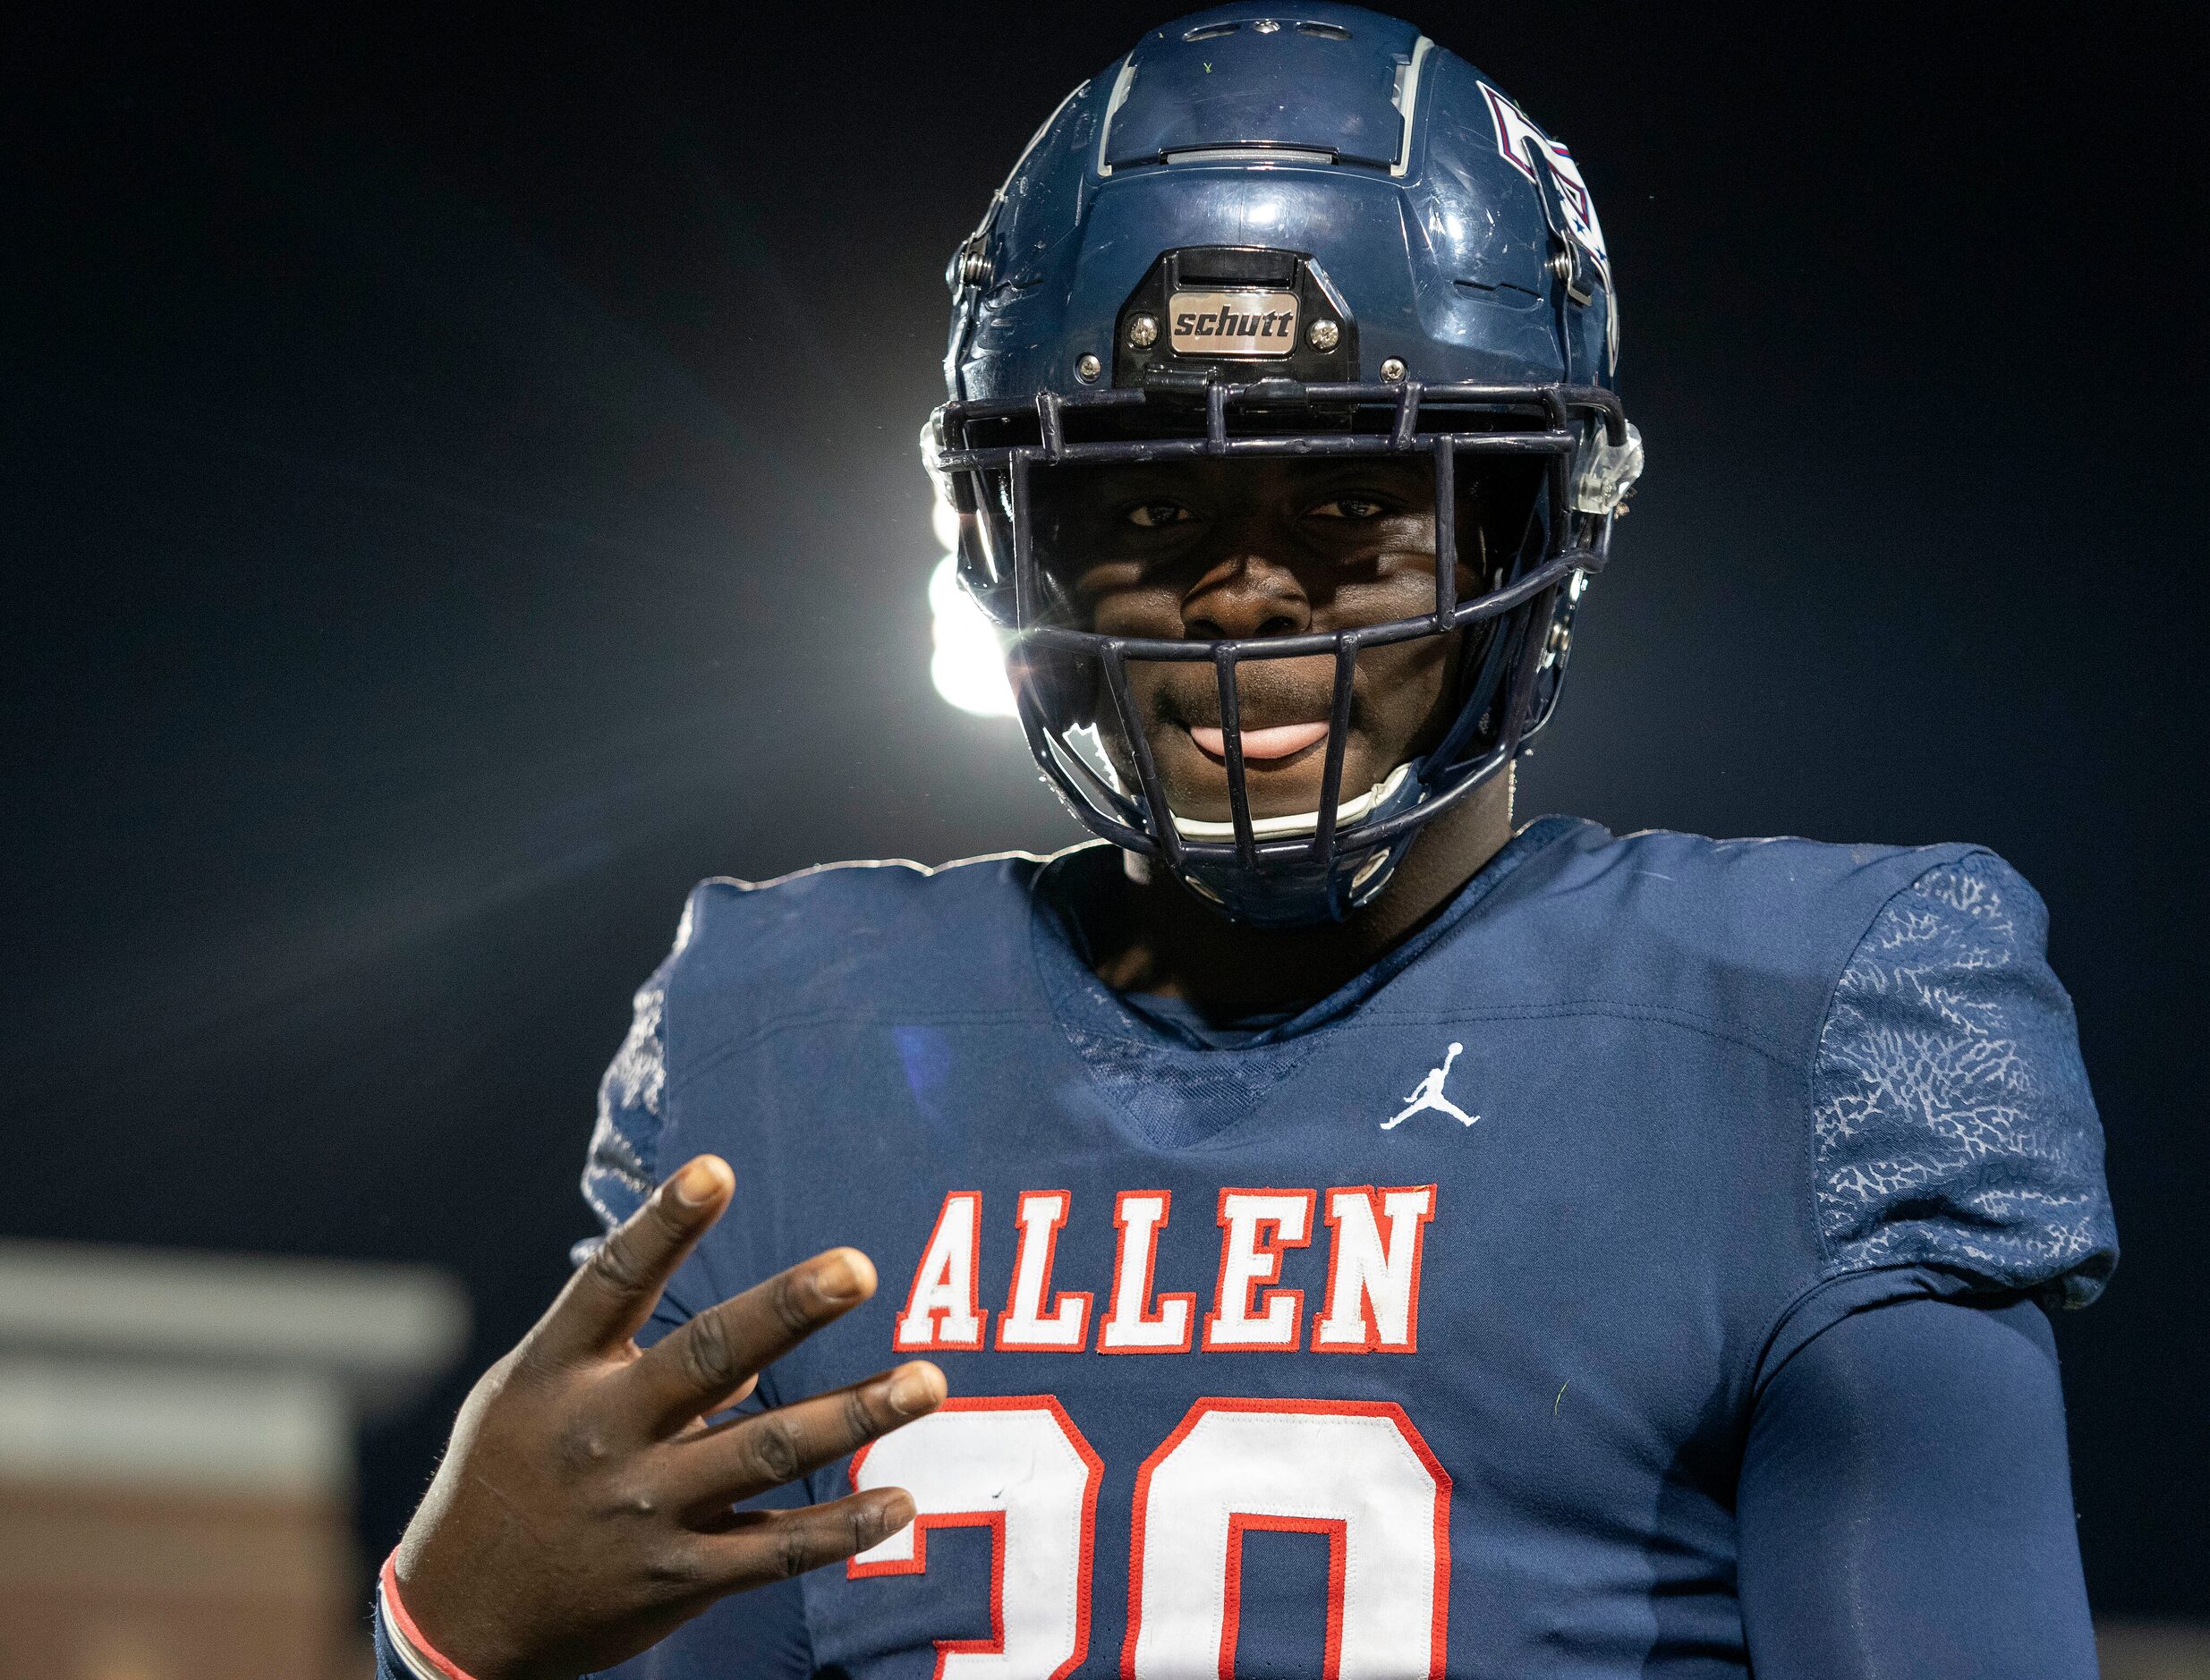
460, 489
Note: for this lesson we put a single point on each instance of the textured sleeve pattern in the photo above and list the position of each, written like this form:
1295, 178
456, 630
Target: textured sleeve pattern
623, 1162
1953, 1123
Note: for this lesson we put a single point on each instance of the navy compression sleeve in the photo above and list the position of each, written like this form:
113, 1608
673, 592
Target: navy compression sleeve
1905, 1507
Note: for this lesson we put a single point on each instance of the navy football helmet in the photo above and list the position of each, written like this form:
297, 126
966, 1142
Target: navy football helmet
1299, 230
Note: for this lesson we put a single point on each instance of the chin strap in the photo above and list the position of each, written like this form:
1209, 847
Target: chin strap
1305, 895
1297, 822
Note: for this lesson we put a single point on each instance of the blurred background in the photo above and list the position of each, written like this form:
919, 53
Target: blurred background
460, 489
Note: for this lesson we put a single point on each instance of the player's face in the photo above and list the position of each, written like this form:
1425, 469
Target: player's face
1209, 549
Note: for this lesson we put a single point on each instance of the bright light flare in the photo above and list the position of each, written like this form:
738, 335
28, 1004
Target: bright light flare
967, 664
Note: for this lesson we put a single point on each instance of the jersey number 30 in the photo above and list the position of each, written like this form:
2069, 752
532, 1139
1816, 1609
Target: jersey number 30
1355, 1471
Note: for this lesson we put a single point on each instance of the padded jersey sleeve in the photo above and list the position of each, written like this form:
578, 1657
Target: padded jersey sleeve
763, 1634
1952, 1125
622, 1163
630, 1148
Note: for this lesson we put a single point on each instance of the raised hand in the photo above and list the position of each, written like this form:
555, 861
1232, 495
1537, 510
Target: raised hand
582, 1508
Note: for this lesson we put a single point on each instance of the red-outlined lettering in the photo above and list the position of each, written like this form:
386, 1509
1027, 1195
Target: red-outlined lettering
1373, 1306
1134, 1326
1250, 1264
1026, 1326
943, 1305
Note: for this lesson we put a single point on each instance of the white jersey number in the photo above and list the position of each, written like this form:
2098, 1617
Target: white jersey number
1356, 1472
1019, 1467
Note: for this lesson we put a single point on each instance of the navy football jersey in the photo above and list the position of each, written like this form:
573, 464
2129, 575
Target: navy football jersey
1416, 1335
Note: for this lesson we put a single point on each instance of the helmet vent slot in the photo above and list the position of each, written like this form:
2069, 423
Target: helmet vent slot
1325, 32
1211, 32
1235, 264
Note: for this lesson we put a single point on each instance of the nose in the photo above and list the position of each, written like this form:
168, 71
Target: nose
1246, 595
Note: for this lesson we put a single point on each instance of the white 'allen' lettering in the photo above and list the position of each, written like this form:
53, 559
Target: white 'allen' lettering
1024, 1323
1376, 1239
1245, 1312
1373, 1283
942, 1308
1135, 1326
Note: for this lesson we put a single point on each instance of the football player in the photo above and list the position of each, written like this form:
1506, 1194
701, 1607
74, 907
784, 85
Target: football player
1318, 1228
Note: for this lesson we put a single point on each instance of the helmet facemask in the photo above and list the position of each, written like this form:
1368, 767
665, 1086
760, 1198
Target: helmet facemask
1086, 699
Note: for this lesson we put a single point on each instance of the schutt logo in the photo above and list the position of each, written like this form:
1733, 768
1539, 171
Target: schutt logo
1234, 323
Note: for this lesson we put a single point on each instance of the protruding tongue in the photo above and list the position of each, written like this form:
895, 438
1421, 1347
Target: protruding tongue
1278, 743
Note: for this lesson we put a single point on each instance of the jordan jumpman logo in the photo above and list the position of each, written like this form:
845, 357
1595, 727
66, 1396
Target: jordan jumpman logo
1429, 1096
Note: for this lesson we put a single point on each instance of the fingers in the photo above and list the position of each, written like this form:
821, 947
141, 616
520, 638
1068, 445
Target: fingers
694, 1370
763, 1546
756, 1454
613, 1291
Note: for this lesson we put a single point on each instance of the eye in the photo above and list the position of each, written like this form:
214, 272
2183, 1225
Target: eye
1357, 507
1150, 515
